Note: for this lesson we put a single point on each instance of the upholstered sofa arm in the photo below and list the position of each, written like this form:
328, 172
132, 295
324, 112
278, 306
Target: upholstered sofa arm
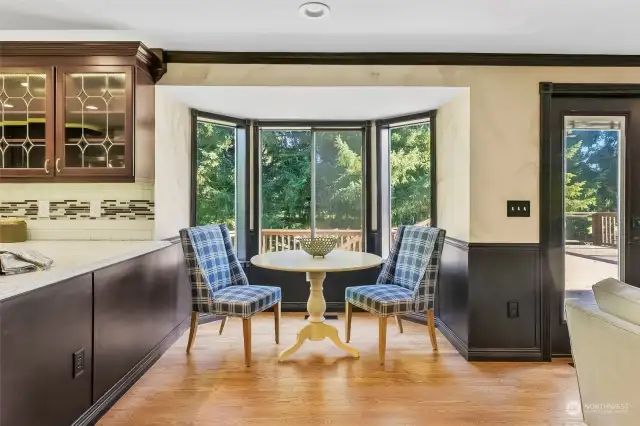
606, 352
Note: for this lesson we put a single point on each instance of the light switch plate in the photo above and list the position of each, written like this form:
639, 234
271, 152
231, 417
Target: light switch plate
518, 208
95, 208
43, 209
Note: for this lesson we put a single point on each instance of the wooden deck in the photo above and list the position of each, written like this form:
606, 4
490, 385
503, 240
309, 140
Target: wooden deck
320, 386
586, 265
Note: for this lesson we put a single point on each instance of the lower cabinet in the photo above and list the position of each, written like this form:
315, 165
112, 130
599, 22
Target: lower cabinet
137, 303
106, 322
40, 332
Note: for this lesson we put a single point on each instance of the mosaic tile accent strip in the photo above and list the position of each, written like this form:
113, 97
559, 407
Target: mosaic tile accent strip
69, 209
80, 210
128, 210
27, 209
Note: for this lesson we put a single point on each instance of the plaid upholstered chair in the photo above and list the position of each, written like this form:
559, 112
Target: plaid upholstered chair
407, 283
219, 286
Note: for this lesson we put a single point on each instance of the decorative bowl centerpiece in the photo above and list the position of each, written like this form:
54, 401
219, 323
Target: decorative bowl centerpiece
318, 246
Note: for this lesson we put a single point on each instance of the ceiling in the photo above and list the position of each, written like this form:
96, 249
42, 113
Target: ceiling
312, 103
508, 26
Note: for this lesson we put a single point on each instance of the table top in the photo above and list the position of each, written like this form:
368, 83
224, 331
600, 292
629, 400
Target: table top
300, 261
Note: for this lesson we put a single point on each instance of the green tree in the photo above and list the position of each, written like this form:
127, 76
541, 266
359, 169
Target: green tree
286, 177
410, 174
215, 174
578, 196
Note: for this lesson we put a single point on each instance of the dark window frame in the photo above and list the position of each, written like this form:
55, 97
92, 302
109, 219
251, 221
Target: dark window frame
253, 248
242, 125
384, 125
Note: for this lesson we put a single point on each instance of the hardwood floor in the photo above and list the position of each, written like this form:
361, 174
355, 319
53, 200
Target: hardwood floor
321, 385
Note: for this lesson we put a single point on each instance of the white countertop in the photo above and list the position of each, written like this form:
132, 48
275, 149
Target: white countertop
71, 259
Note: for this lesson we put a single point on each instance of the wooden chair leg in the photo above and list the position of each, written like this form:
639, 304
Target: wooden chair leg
399, 323
348, 313
193, 330
431, 324
382, 338
222, 324
246, 331
276, 316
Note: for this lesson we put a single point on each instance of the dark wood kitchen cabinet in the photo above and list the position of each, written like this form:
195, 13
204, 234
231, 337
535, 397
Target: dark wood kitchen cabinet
94, 121
121, 317
26, 122
40, 331
76, 112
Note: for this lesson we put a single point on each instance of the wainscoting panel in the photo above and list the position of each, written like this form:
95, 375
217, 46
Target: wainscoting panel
452, 298
500, 273
476, 282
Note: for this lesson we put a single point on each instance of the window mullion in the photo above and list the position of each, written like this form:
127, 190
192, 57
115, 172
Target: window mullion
313, 183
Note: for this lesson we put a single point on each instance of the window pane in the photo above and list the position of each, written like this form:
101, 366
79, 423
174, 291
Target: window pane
338, 179
286, 188
410, 165
593, 188
22, 121
95, 120
215, 179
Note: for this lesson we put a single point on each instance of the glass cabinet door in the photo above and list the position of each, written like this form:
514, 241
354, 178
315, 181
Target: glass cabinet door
95, 121
26, 122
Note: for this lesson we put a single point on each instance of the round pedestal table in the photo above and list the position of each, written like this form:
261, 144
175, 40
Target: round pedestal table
316, 270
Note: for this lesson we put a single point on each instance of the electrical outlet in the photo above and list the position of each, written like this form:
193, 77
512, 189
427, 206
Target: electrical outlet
513, 310
518, 208
78, 363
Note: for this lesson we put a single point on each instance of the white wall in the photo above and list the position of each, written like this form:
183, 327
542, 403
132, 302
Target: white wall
504, 122
453, 167
173, 164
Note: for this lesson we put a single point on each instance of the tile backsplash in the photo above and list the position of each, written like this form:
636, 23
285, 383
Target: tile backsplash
81, 211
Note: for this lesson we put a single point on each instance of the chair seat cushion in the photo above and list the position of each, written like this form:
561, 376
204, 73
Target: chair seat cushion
244, 300
382, 299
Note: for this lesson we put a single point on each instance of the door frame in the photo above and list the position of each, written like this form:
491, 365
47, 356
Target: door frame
548, 252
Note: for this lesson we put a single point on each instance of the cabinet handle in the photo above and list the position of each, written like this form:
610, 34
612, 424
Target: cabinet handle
46, 166
58, 164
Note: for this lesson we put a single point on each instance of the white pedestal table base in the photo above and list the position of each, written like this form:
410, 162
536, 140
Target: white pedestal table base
316, 329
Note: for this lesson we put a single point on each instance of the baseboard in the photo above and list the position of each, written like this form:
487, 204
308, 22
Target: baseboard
418, 318
102, 405
505, 354
302, 307
453, 338
207, 318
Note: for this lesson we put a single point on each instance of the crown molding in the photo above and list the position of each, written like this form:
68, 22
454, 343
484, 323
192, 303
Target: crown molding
400, 58
145, 58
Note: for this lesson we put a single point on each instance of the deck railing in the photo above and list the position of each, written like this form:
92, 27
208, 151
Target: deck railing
604, 226
287, 239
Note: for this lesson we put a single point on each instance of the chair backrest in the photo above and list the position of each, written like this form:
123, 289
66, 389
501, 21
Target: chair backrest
211, 261
414, 262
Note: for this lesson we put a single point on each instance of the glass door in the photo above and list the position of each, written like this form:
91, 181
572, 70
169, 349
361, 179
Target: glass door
589, 203
593, 202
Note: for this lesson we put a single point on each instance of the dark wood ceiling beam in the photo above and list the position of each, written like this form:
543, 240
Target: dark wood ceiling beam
400, 58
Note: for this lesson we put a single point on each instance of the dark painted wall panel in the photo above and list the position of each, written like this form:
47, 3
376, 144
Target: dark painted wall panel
136, 306
40, 332
452, 298
500, 273
295, 288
